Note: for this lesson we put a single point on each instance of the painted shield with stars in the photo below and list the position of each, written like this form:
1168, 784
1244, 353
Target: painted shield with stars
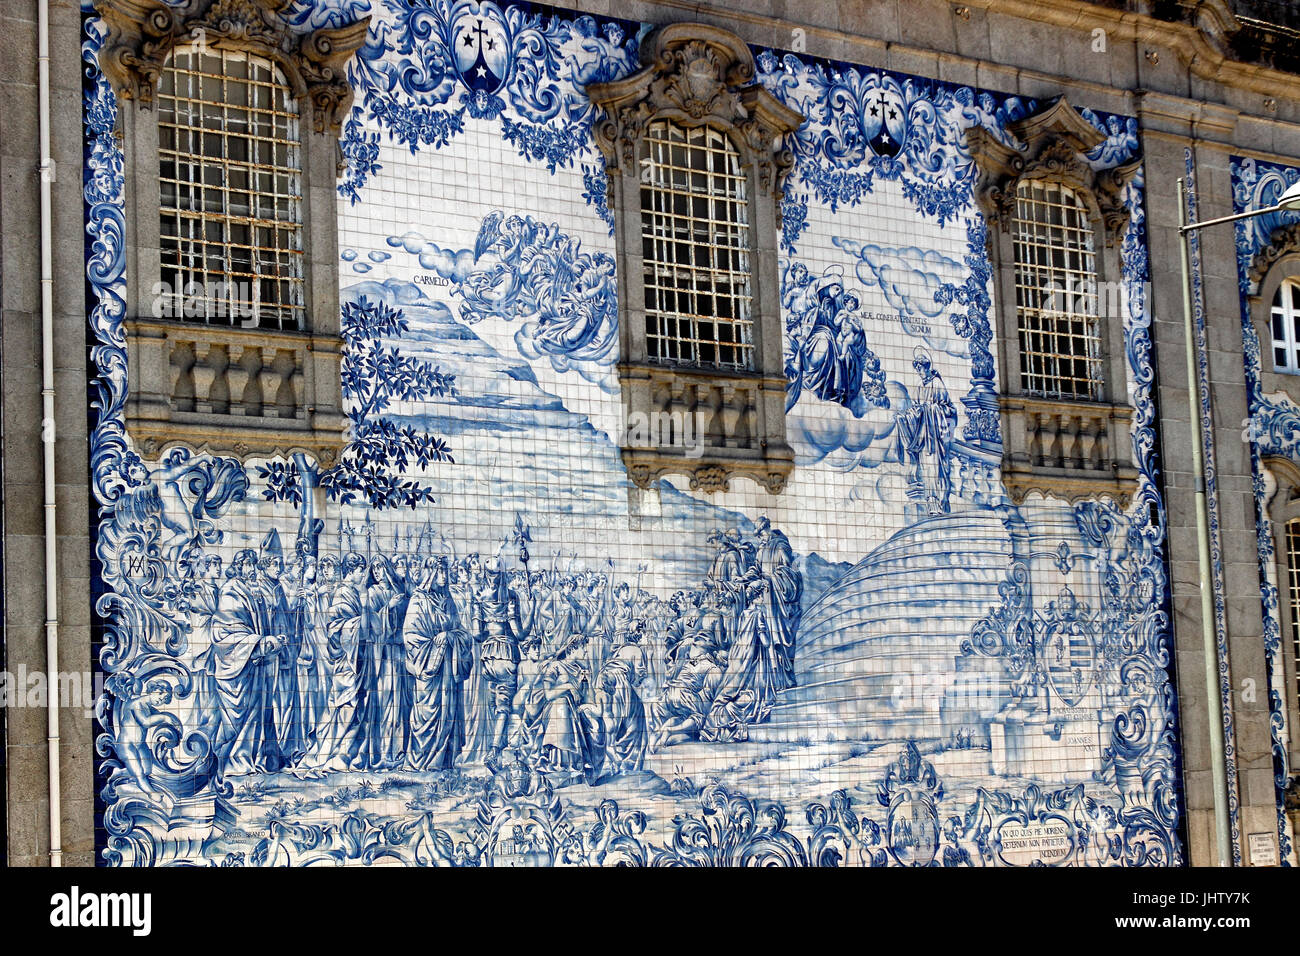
482, 57
885, 122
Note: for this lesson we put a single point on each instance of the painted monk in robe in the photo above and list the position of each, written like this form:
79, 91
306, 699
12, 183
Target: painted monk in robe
241, 656
439, 658
282, 672
925, 427
752, 664
387, 693
338, 742
781, 600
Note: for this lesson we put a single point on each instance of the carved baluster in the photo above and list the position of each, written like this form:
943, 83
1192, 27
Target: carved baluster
269, 380
712, 397
1104, 456
678, 411
1070, 425
205, 373
749, 418
296, 385
181, 362
729, 409
1088, 443
1047, 438
283, 366
237, 377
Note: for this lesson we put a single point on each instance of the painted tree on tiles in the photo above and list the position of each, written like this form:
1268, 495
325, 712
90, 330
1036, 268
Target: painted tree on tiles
374, 376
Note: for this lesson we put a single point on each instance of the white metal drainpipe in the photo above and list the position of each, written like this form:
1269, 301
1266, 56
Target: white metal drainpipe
47, 439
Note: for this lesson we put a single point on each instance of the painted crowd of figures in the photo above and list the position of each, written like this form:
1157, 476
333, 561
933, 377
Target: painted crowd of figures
336, 662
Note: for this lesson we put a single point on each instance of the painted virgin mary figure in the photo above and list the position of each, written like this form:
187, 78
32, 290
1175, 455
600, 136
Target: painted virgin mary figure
821, 367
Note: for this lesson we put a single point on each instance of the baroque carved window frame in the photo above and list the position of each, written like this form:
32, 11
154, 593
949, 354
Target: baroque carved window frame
211, 387
1269, 268
699, 75
1066, 448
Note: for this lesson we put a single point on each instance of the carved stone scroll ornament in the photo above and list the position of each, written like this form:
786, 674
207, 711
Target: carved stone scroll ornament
142, 33
697, 75
1054, 143
1284, 241
711, 477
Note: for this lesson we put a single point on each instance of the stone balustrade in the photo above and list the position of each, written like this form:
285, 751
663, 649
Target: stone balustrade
1066, 449
247, 392
709, 426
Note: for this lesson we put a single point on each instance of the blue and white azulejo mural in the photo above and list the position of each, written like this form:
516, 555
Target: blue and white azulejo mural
490, 648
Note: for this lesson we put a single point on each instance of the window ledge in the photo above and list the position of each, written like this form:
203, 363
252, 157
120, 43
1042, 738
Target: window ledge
251, 393
1067, 449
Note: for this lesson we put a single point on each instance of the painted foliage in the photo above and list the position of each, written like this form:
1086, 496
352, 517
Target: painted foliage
474, 642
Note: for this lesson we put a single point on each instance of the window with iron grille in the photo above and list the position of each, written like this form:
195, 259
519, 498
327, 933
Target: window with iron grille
230, 177
1285, 322
1056, 294
696, 249
696, 154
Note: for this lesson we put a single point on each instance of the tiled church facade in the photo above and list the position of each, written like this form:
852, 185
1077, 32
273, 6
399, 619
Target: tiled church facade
499, 645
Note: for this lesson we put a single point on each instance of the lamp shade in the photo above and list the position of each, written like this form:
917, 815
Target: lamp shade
1290, 200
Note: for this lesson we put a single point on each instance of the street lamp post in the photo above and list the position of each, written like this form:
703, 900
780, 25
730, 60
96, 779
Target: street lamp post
1289, 201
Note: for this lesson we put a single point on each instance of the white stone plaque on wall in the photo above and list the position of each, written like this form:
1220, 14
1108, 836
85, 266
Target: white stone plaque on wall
1263, 849
1048, 841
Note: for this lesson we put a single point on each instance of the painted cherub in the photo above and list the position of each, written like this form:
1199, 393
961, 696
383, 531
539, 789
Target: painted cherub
138, 715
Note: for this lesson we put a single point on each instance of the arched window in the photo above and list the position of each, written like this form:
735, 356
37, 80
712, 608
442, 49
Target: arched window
230, 117
1285, 326
694, 153
696, 248
1056, 294
230, 178
1056, 228
1273, 295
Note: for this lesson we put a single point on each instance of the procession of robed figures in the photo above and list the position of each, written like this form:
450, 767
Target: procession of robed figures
312, 663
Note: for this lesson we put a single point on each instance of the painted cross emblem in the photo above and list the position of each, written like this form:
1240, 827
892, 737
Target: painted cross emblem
885, 122
482, 59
